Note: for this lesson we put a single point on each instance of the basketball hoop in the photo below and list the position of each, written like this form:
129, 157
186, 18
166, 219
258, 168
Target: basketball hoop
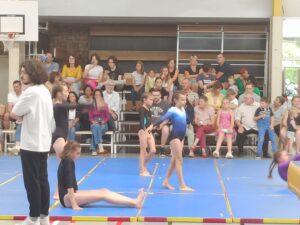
8, 40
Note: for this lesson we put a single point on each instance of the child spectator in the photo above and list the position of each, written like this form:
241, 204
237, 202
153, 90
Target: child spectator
265, 122
231, 83
225, 124
291, 128
150, 80
231, 95
138, 83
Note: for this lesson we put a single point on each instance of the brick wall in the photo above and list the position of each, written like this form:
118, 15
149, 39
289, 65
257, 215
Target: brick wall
70, 39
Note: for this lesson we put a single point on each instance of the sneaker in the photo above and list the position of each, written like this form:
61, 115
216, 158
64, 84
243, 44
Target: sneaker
94, 153
162, 153
258, 158
45, 221
229, 155
216, 154
28, 221
14, 150
267, 156
191, 154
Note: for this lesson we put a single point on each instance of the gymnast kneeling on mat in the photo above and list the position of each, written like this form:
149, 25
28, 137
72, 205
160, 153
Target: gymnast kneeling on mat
71, 197
283, 160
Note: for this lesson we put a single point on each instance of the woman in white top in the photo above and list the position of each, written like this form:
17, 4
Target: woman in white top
93, 72
138, 83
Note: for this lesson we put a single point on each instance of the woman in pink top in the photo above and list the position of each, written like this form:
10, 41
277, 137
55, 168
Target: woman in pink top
93, 72
204, 124
225, 123
99, 116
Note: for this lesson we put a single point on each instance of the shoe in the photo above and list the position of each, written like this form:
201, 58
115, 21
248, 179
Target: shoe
267, 156
162, 153
94, 153
28, 221
14, 150
257, 157
229, 155
240, 153
45, 221
216, 154
204, 155
191, 154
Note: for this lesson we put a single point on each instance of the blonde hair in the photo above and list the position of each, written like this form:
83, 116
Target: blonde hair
70, 147
293, 111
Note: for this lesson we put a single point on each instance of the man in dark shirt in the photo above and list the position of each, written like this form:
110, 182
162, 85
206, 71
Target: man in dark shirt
159, 108
223, 70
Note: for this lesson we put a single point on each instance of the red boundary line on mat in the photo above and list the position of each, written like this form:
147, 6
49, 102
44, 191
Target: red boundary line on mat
118, 219
252, 220
214, 220
155, 219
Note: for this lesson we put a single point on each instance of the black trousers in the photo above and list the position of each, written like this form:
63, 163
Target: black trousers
34, 165
241, 137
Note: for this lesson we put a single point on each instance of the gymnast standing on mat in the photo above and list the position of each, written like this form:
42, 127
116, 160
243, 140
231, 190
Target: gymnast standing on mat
178, 118
71, 197
146, 138
282, 159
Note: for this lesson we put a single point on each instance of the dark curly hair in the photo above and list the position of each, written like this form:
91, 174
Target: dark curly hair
35, 70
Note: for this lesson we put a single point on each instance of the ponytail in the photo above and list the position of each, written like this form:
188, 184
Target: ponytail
273, 164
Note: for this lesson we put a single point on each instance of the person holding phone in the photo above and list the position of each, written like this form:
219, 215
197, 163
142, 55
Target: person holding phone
93, 72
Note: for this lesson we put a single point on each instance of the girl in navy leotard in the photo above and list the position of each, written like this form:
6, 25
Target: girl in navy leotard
145, 134
178, 118
282, 159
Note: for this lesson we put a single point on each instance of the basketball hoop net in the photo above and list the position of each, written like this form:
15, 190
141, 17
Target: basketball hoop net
8, 40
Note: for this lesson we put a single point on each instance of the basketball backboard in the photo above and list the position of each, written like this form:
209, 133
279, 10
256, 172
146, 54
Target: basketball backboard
19, 17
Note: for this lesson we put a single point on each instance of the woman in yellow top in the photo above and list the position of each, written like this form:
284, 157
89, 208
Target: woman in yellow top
215, 97
72, 74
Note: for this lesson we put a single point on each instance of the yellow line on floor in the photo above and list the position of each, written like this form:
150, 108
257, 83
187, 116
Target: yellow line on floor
149, 188
224, 189
10, 179
80, 181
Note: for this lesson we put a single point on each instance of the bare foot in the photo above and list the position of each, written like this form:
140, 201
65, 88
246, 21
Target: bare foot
145, 174
186, 189
140, 198
168, 186
55, 196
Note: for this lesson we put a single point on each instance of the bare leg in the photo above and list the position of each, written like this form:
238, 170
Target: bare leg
229, 143
166, 183
143, 153
218, 145
58, 147
6, 121
297, 141
151, 144
176, 147
164, 135
86, 197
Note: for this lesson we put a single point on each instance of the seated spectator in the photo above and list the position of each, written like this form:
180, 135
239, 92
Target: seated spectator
93, 72
192, 71
246, 124
278, 107
99, 117
85, 101
138, 83
54, 79
231, 95
249, 90
114, 72
74, 115
158, 86
231, 84
72, 75
190, 114
150, 80
174, 73
204, 124
192, 96
167, 81
158, 109
245, 78
223, 70
215, 97
51, 66
113, 101
284, 126
205, 79
12, 99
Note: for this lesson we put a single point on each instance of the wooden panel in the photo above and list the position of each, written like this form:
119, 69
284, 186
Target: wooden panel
200, 28
244, 28
137, 55
229, 56
133, 30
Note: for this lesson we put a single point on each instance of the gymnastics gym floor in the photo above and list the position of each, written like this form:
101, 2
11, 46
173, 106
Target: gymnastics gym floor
227, 191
